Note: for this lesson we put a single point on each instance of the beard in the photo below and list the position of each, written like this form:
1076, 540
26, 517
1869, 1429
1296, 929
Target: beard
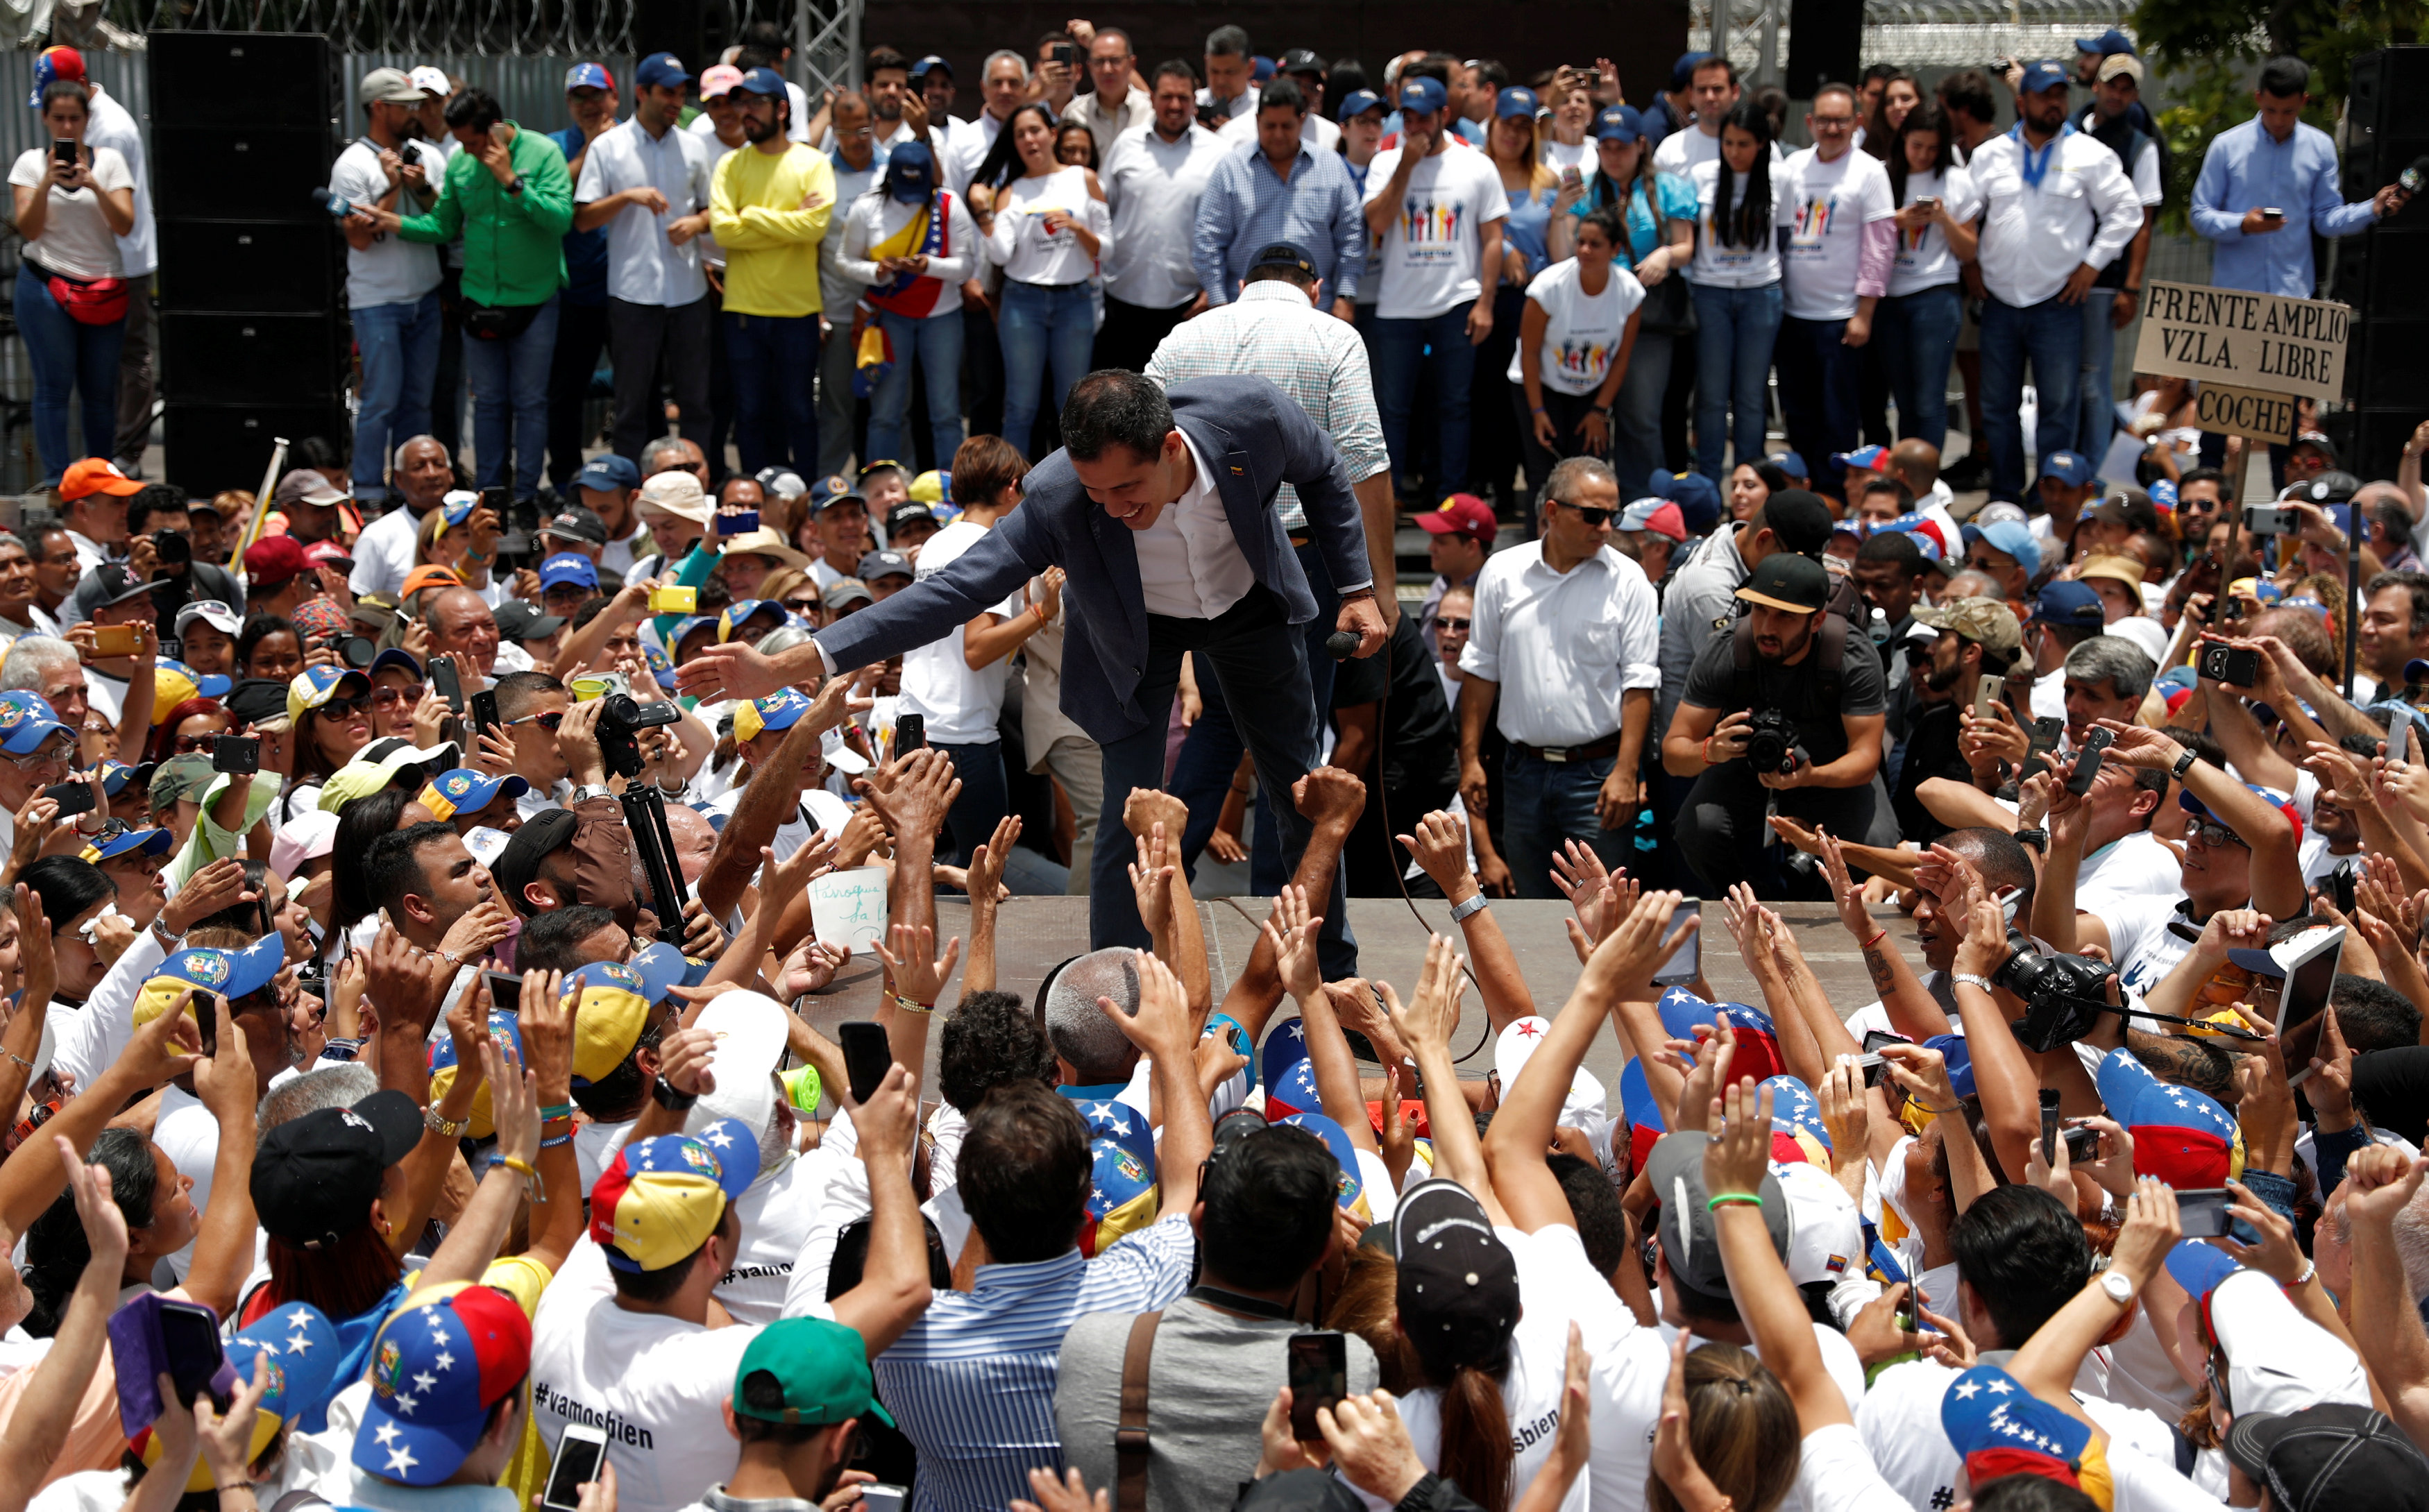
757, 131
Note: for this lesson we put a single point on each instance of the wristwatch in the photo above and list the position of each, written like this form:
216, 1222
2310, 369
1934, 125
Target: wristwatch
2184, 763
588, 791
447, 1128
2119, 1285
672, 1100
1475, 903
2036, 837
515, 185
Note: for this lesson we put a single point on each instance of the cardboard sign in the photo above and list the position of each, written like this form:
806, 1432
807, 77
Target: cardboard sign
849, 907
2264, 342
2241, 412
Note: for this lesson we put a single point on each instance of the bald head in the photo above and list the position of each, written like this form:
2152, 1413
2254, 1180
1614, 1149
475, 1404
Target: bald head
460, 621
693, 839
1915, 463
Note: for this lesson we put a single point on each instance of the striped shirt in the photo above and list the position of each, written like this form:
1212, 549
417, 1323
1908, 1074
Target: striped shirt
973, 1383
1273, 332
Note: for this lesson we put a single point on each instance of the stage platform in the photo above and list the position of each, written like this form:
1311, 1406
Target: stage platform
1034, 933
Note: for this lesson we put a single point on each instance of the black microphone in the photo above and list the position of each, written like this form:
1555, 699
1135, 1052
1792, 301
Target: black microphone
1343, 644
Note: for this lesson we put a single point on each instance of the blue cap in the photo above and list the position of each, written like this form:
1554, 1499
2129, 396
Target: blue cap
1618, 122
46, 72
1682, 73
2043, 75
2069, 608
394, 656
2107, 43
232, 974
588, 77
462, 790
2070, 468
765, 81
2199, 1268
2014, 538
660, 69
1262, 67
1791, 463
664, 967
608, 470
1697, 498
1357, 103
26, 720
131, 842
1424, 96
1516, 102
115, 776
568, 566
928, 65
304, 1356
911, 172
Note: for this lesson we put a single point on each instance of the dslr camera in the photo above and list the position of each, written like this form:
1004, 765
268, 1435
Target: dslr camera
2063, 996
621, 722
1771, 743
2236, 664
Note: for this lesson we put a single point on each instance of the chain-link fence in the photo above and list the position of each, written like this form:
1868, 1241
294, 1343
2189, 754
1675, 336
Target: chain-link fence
1917, 34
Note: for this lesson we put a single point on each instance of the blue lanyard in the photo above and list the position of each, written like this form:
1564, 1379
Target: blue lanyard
2036, 170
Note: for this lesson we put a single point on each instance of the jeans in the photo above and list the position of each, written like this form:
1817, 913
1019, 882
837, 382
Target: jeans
2096, 375
1042, 325
1544, 803
1568, 414
399, 344
68, 357
839, 409
2050, 337
984, 800
1260, 660
1441, 344
1636, 411
775, 358
1734, 332
572, 367
938, 344
135, 375
1917, 335
1495, 443
1821, 386
644, 339
509, 383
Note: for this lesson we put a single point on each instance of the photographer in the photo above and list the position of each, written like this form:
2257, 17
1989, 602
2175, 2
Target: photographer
1789, 675
160, 548
1978, 638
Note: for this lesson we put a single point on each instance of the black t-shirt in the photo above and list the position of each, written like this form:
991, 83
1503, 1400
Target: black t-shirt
1712, 684
1419, 741
1931, 751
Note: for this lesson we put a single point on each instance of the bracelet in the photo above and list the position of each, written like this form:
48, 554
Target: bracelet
1867, 945
1240, 788
1970, 979
553, 1144
1721, 1197
532, 1182
2311, 1274
1475, 903
21, 1060
556, 1110
912, 1005
1536, 410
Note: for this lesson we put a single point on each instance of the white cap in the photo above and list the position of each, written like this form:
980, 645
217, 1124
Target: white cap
840, 756
750, 1030
1584, 1103
2146, 634
211, 612
307, 836
2277, 1359
1825, 1238
431, 80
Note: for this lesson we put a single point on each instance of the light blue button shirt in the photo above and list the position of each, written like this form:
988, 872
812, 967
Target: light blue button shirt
2245, 168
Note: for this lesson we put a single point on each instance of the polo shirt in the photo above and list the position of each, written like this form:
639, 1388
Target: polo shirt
643, 266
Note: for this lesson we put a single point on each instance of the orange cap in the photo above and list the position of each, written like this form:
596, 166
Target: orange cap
96, 475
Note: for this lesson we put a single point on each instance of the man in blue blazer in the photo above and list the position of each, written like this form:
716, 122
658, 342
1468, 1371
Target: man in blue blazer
1160, 510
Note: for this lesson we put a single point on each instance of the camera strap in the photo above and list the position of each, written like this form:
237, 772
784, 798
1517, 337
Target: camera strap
1130, 1428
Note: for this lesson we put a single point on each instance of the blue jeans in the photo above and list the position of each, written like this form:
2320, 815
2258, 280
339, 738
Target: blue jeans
1734, 332
2050, 337
1546, 802
1821, 381
68, 356
399, 345
938, 344
509, 383
774, 360
1039, 325
1636, 411
1917, 335
1441, 344
2096, 375
984, 797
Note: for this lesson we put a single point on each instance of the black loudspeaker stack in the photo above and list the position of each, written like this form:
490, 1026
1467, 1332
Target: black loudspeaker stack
2384, 273
1824, 40
251, 340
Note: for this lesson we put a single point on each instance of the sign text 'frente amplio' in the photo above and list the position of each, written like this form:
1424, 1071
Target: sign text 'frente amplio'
2263, 342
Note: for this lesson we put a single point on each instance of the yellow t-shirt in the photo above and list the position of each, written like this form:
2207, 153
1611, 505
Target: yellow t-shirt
770, 240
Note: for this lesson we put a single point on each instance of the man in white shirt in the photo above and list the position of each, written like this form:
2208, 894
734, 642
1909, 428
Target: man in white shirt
1566, 632
385, 552
1835, 266
2110, 123
1153, 180
1114, 110
859, 158
2058, 208
770, 44
1005, 86
1714, 87
1303, 68
1230, 73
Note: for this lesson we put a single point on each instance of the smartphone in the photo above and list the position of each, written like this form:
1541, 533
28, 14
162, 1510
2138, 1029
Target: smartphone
734, 522
2008, 899
449, 687
2204, 1211
1066, 55
1685, 966
71, 797
1928, 201
236, 754
674, 600
2268, 212
64, 154
866, 1055
910, 732
578, 1453
2340, 887
2087, 762
506, 993
494, 500
485, 711
2082, 1144
1319, 1377
2049, 1126
2045, 738
1986, 698
116, 640
207, 1022
2398, 740
885, 1497
190, 1337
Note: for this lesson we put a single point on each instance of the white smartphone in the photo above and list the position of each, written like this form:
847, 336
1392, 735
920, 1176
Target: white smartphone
1684, 967
2398, 739
578, 1456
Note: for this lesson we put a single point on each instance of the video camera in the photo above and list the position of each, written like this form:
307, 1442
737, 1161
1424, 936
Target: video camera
622, 718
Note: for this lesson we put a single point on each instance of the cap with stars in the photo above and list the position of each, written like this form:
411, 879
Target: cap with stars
2181, 1134
1285, 1042
1758, 1052
1121, 1187
659, 1200
2002, 1429
438, 1365
1797, 1132
304, 1356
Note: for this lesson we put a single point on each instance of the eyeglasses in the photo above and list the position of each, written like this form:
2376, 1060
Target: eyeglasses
1444, 622
548, 721
803, 605
345, 708
1588, 513
386, 694
48, 756
2214, 836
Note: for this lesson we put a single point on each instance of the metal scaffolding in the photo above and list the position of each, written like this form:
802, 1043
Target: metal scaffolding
1915, 33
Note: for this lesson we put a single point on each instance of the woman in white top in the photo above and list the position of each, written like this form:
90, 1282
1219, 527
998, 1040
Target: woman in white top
1045, 227
1916, 324
912, 243
1561, 141
1575, 335
1736, 282
73, 204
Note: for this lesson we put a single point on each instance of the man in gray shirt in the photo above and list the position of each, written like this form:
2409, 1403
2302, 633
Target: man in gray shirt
1264, 1219
1704, 591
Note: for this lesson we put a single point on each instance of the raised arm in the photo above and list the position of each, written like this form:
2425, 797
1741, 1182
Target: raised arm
1735, 1164
1426, 1026
893, 1288
1439, 844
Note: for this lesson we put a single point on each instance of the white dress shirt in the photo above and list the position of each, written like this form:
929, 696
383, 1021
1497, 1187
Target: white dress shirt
643, 266
1563, 645
383, 552
2084, 211
1190, 564
89, 552
877, 215
1153, 187
1135, 113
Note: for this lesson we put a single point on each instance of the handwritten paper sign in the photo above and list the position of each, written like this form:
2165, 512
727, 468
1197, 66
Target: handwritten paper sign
2243, 412
2266, 343
849, 907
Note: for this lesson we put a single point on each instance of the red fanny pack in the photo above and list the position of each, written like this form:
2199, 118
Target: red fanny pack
102, 302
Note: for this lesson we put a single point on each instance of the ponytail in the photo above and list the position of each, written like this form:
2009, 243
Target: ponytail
1475, 1450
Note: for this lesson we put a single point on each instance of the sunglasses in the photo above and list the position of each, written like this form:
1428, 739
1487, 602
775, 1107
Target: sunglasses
345, 708
1443, 622
411, 693
548, 721
189, 744
1588, 513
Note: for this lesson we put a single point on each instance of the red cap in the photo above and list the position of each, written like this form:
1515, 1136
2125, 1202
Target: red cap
96, 475
1462, 514
273, 559
327, 553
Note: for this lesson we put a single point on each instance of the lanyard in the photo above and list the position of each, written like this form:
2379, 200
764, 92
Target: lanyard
2034, 171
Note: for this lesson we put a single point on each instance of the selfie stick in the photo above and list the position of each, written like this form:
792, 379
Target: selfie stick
251, 530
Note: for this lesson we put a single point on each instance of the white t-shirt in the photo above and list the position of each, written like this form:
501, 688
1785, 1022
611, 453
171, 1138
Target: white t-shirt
1560, 156
391, 271
1581, 331
1828, 204
2138, 868
655, 1385
1899, 1428
1924, 260
775, 1212
1733, 267
1027, 252
1684, 151
1430, 254
75, 241
1834, 1473
2141, 943
961, 706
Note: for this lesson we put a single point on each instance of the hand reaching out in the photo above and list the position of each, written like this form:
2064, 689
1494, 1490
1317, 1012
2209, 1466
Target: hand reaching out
1290, 932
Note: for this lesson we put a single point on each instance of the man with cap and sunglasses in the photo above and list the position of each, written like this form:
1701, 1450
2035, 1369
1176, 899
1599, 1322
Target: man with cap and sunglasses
1779, 662
1978, 638
391, 283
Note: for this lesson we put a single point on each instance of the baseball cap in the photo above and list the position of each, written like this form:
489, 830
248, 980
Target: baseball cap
1462, 514
389, 86
127, 843
1986, 623
588, 77
111, 583
2181, 1134
26, 720
2110, 42
314, 1178
1682, 73
611, 1001
716, 81
305, 485
307, 836
176, 777
231, 974
462, 790
431, 80
781, 709
1517, 103
608, 470
438, 1366
2070, 468
765, 81
2327, 1455
316, 685
274, 560
930, 488
1517, 1043
2276, 797
1284, 255
55, 63
749, 1028
2115, 568
660, 1199
847, 590
2044, 75
1689, 1239
1357, 102
1423, 96
2333, 487
568, 566
2000, 1429
675, 493
922, 69
909, 511
736, 616
328, 555
429, 576
2014, 538
1457, 1278
1699, 501
1300, 60
96, 475
379, 765
765, 542
444, 1068
1618, 122
1659, 515
2070, 605
1870, 459
1786, 581
2277, 1359
305, 1358
2117, 64
1261, 67
660, 69
911, 172
576, 522
2317, 440
818, 1368
883, 563
520, 619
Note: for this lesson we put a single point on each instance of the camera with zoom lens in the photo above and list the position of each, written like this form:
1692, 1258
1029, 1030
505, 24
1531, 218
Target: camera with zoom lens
2063, 996
622, 718
1771, 743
